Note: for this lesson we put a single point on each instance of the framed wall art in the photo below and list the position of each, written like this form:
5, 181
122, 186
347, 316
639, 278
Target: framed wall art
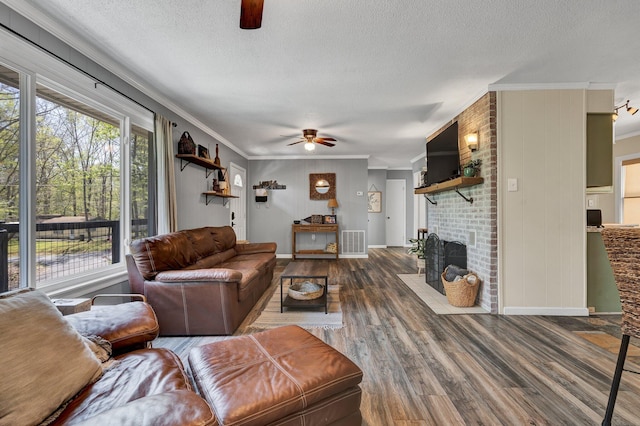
203, 152
322, 186
329, 219
374, 201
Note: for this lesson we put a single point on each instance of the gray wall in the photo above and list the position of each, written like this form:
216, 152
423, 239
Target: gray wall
192, 182
272, 221
377, 181
377, 221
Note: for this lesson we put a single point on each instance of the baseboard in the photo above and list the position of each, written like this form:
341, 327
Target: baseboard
554, 311
378, 246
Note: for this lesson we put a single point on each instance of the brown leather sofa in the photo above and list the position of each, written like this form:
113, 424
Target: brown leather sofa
46, 356
199, 281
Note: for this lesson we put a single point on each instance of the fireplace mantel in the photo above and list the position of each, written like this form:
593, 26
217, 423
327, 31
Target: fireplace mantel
453, 184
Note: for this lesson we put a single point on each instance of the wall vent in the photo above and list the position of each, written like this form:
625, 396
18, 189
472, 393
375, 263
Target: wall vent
353, 242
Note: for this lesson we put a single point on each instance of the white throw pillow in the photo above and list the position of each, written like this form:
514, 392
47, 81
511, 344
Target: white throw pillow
43, 360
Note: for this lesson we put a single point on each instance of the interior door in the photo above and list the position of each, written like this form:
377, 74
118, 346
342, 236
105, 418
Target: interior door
396, 210
419, 206
238, 206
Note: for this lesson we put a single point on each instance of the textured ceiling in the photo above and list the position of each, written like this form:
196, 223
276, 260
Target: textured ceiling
377, 75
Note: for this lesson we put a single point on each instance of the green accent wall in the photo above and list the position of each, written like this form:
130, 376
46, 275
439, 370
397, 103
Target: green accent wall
602, 293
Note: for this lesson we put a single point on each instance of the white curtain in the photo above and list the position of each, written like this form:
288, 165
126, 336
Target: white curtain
167, 210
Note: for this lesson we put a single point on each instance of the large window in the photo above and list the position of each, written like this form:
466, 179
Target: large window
77, 186
9, 176
631, 191
79, 155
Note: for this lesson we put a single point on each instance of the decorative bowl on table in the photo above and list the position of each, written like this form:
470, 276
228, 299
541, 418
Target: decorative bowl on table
305, 290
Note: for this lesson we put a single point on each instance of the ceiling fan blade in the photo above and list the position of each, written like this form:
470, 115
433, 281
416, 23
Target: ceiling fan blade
293, 143
321, 142
251, 14
326, 139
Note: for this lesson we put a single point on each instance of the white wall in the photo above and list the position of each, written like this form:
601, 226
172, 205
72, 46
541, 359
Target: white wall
542, 239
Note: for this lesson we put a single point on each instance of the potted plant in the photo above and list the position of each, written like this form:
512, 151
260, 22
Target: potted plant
418, 248
471, 169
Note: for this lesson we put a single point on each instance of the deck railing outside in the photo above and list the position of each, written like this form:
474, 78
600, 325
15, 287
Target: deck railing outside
63, 249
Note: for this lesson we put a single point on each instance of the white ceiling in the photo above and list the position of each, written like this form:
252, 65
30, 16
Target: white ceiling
377, 75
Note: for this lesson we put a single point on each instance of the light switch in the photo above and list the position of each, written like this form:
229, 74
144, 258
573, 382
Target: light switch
359, 193
512, 184
591, 203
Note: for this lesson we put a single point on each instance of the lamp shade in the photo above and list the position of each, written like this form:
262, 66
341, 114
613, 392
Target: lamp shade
333, 203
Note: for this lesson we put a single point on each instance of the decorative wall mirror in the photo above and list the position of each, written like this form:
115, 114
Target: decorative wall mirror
322, 186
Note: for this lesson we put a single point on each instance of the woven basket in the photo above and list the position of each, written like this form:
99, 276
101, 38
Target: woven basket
305, 291
462, 292
623, 249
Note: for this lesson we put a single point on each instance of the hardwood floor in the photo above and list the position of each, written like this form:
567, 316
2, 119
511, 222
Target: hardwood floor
426, 369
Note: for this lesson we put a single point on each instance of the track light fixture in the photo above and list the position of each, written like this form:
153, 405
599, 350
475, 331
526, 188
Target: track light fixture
631, 110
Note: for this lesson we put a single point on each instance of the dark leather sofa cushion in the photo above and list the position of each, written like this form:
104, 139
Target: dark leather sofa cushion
211, 239
125, 325
132, 376
164, 252
175, 408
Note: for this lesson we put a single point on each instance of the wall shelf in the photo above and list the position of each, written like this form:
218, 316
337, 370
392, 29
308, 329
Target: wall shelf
208, 164
213, 194
450, 185
269, 185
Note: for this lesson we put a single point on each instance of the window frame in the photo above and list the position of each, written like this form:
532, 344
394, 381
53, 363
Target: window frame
38, 67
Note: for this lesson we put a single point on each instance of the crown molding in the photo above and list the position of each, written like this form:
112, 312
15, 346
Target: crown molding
504, 87
419, 157
73, 40
627, 135
308, 157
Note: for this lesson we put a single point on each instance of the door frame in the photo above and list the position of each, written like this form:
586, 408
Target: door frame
241, 202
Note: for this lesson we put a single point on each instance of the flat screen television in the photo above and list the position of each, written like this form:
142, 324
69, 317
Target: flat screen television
443, 157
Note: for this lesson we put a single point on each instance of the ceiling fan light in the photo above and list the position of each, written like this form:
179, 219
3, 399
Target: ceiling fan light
309, 146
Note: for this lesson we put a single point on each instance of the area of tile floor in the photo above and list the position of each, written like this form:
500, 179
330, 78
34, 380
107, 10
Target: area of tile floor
436, 301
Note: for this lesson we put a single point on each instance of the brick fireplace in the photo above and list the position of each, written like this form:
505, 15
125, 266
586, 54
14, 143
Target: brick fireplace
440, 254
474, 224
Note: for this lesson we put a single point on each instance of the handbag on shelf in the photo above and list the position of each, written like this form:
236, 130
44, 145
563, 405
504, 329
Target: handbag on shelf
186, 145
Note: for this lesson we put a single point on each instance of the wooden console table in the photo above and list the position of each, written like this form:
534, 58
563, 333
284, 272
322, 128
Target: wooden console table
315, 229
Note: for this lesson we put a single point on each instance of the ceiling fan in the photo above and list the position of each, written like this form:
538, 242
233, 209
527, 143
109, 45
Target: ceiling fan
251, 14
309, 136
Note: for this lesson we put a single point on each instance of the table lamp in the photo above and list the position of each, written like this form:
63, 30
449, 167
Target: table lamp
333, 205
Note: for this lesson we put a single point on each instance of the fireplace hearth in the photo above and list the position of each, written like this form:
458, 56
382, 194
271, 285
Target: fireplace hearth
440, 254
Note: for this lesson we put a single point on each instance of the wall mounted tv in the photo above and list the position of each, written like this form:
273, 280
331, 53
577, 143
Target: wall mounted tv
443, 157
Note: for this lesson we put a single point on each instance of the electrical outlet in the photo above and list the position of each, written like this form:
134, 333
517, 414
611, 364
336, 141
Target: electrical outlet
313, 237
512, 184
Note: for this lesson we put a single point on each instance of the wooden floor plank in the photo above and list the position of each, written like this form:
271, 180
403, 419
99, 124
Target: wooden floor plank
426, 369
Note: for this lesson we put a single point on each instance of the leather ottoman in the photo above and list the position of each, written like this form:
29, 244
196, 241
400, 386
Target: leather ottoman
284, 376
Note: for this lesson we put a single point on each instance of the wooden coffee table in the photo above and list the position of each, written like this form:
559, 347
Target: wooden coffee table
304, 269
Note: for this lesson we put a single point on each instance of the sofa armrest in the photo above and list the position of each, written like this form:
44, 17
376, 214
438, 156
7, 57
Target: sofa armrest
180, 407
200, 275
256, 248
127, 325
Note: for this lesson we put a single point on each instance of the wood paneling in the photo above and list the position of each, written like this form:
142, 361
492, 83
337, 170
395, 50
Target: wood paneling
426, 369
542, 145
